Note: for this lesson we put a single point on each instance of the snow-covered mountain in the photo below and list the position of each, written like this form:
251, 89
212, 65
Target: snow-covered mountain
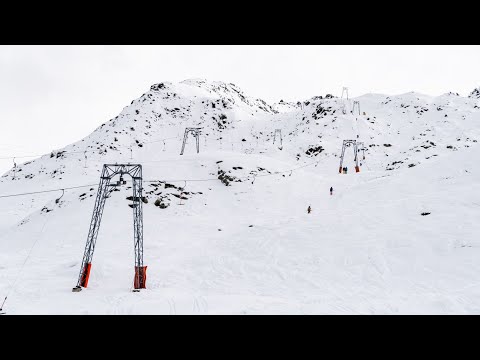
250, 246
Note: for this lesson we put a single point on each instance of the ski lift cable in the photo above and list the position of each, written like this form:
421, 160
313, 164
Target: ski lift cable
71, 152
87, 151
153, 181
40, 155
19, 157
159, 140
47, 191
243, 178
81, 152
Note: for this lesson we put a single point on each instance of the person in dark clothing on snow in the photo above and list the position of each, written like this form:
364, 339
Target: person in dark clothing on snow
331, 190
309, 209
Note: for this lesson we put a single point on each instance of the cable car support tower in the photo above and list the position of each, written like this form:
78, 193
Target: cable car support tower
278, 133
348, 143
105, 188
196, 134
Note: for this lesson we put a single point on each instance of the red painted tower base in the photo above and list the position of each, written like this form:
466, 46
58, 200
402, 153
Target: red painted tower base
140, 277
85, 275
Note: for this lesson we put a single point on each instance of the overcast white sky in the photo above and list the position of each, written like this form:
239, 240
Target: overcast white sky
51, 96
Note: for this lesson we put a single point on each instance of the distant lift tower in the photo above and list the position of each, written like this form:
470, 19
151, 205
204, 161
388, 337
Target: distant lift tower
348, 143
345, 90
356, 104
196, 133
104, 191
278, 132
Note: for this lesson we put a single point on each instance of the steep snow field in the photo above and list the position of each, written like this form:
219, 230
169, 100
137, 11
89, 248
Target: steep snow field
251, 247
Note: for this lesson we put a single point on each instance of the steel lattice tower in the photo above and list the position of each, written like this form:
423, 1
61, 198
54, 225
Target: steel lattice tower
348, 143
196, 133
357, 103
279, 132
104, 190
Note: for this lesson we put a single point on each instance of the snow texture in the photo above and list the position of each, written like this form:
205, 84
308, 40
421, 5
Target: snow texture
399, 237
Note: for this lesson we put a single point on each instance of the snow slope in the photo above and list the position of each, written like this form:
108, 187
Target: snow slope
250, 247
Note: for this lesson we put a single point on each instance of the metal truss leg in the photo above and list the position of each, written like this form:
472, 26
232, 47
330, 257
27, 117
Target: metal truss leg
341, 159
140, 270
184, 142
93, 231
109, 171
357, 168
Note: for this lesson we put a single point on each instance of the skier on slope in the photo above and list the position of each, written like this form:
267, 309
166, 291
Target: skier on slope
331, 190
309, 210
